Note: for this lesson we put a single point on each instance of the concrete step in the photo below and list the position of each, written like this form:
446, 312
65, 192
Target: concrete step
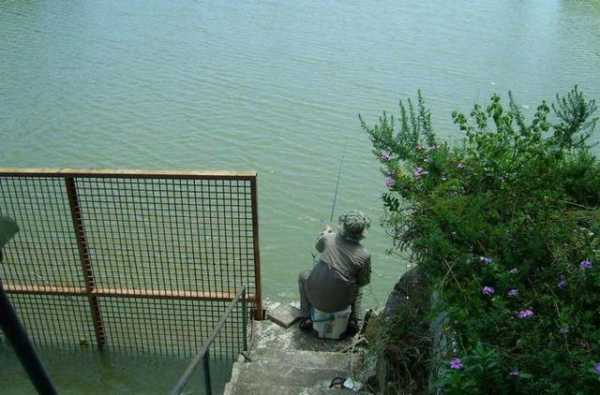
287, 374
298, 371
291, 362
301, 358
272, 336
276, 389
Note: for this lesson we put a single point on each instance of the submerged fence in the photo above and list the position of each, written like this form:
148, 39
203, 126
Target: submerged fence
130, 260
203, 355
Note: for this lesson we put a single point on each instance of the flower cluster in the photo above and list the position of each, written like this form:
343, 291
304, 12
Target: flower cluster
585, 264
456, 363
524, 314
390, 181
486, 260
419, 172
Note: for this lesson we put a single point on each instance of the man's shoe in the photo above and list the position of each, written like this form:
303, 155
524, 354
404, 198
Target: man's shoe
305, 324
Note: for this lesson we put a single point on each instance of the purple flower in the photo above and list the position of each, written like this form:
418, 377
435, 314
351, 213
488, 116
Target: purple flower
460, 165
524, 314
597, 368
514, 372
513, 293
386, 155
488, 291
585, 264
389, 181
419, 171
456, 363
486, 260
562, 283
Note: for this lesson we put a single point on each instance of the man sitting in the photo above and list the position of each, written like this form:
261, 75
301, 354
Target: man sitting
344, 266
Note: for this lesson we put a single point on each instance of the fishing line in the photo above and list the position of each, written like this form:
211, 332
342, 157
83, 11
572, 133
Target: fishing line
337, 181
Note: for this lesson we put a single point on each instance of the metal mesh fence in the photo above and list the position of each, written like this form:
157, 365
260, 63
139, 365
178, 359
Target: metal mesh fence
151, 259
56, 320
44, 252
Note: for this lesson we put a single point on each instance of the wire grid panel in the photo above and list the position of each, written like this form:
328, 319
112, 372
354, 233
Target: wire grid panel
44, 252
56, 320
169, 327
166, 255
230, 340
169, 234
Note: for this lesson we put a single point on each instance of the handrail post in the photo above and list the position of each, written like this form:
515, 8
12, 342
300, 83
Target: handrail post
257, 278
207, 383
244, 320
86, 263
203, 354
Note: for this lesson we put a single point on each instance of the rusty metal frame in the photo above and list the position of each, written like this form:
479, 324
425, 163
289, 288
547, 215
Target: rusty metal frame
259, 315
86, 263
122, 173
91, 290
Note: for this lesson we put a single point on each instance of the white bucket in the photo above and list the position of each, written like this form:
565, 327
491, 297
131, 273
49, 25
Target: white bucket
330, 325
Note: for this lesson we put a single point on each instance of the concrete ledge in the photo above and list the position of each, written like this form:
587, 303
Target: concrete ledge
272, 336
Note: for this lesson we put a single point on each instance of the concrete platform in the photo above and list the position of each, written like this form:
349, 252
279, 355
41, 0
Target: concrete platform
270, 335
300, 358
290, 361
283, 315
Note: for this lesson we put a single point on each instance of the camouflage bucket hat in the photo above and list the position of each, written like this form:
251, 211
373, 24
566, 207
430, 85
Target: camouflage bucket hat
354, 223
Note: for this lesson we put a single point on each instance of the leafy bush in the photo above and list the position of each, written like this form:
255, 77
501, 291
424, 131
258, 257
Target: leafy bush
506, 227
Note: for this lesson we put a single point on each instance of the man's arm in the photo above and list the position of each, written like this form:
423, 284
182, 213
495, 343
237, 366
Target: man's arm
364, 276
320, 245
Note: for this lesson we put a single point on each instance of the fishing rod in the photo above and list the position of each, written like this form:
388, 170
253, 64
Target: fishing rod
333, 203
337, 187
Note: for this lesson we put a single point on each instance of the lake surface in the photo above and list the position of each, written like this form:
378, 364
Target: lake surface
271, 86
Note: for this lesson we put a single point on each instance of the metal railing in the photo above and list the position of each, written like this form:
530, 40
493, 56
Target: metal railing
203, 355
129, 259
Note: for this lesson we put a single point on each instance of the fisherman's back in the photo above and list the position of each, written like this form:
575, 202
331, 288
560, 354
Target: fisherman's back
348, 257
343, 266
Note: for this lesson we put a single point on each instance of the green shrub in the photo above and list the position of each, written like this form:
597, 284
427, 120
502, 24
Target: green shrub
507, 228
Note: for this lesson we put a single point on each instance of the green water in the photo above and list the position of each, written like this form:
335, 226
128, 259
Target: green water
271, 86
92, 373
